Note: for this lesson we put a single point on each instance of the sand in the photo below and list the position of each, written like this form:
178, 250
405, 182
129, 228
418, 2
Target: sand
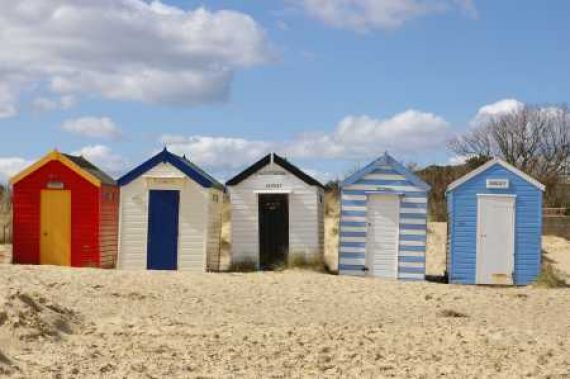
106, 323
86, 322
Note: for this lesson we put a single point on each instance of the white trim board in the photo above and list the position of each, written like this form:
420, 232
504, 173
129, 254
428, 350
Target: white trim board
489, 164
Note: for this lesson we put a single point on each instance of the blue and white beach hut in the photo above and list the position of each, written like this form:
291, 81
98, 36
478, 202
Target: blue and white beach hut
383, 222
495, 230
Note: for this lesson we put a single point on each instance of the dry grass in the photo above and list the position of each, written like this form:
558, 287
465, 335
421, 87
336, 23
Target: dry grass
550, 277
243, 265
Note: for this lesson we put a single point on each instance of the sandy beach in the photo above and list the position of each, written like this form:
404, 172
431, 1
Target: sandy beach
86, 322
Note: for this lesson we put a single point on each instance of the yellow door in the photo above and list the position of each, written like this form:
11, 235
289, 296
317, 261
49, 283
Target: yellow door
55, 228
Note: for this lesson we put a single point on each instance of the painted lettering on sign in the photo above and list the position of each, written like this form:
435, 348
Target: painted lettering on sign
55, 185
273, 186
498, 183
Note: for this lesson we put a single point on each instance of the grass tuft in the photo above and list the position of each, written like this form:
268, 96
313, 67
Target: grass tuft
549, 277
243, 265
301, 261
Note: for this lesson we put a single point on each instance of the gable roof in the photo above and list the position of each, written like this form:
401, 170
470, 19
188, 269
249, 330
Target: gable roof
181, 163
386, 160
92, 169
79, 165
280, 161
491, 163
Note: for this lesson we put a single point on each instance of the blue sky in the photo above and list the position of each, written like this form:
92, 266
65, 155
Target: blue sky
331, 84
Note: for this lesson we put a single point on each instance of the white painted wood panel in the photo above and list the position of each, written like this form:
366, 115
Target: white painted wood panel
306, 228
193, 219
383, 236
495, 239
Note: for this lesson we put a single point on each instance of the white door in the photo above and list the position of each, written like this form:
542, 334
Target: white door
383, 235
495, 239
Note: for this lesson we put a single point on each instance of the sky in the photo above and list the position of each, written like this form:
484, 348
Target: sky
329, 84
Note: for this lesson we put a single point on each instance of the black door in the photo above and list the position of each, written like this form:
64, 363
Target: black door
273, 230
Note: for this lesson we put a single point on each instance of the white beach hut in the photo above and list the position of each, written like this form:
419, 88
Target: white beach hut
277, 212
169, 216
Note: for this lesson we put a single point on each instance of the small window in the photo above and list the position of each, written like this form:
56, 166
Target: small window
215, 197
320, 198
108, 196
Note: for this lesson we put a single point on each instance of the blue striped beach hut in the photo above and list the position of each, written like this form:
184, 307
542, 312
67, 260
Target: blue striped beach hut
383, 222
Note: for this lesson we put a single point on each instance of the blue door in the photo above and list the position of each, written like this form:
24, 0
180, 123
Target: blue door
162, 247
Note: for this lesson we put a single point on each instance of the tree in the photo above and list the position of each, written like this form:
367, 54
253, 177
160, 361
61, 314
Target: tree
534, 139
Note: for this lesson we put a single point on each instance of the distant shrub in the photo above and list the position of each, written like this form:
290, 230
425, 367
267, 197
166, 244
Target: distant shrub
549, 277
244, 265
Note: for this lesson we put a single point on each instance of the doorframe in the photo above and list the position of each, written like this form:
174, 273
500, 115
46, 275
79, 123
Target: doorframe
513, 197
398, 197
287, 193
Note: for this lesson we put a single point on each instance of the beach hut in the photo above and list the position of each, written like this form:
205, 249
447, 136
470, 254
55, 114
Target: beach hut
170, 216
383, 222
276, 213
65, 213
495, 226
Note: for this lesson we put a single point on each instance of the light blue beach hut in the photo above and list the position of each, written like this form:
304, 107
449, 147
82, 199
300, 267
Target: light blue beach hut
495, 226
383, 222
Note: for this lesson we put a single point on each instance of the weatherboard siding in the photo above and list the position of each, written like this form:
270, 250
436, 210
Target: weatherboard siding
193, 231
385, 178
462, 202
214, 229
306, 228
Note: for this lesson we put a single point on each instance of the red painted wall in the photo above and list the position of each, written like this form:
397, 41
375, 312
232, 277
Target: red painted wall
109, 226
85, 209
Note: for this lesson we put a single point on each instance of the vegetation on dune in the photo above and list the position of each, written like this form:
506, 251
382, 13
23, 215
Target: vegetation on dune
550, 277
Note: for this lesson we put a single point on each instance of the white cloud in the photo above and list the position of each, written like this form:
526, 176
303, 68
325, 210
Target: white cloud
495, 109
94, 127
366, 15
458, 160
103, 157
354, 137
218, 152
124, 49
53, 103
365, 136
11, 166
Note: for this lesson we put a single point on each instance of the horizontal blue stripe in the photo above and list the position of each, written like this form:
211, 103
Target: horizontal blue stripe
385, 171
413, 227
410, 194
412, 270
412, 248
352, 255
350, 267
352, 244
353, 224
411, 279
353, 234
354, 203
353, 213
412, 259
411, 237
413, 215
380, 182
414, 205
